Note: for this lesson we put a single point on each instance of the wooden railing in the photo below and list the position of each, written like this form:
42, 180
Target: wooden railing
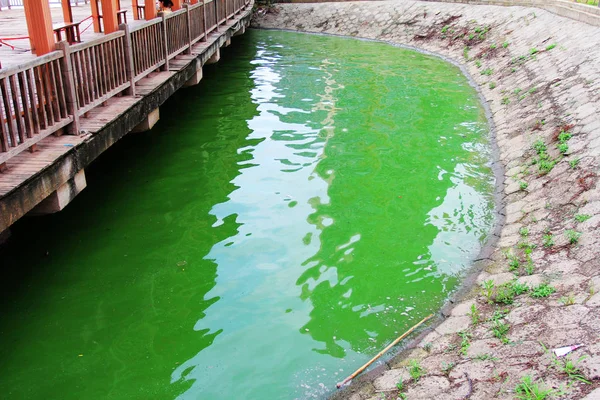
148, 47
34, 103
53, 91
99, 70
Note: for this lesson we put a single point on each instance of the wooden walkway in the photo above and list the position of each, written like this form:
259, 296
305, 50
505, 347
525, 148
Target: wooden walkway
97, 97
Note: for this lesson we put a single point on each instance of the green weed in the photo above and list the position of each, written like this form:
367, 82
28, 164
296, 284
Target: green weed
582, 217
464, 343
548, 240
542, 290
478, 63
487, 71
446, 368
500, 329
567, 300
569, 368
574, 163
573, 235
505, 45
527, 389
505, 100
550, 46
487, 289
492, 85
524, 231
563, 148
415, 370
485, 357
523, 185
474, 314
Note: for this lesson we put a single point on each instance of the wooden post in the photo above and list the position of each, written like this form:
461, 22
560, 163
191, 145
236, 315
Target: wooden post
129, 70
204, 39
134, 6
177, 5
189, 28
150, 10
95, 16
163, 25
109, 15
66, 9
216, 14
39, 26
69, 87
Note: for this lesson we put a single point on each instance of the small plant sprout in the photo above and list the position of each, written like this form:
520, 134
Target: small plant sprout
542, 290
520, 288
487, 289
493, 46
485, 357
533, 51
573, 235
474, 314
529, 266
563, 148
523, 185
400, 385
567, 300
492, 85
582, 217
591, 289
517, 90
569, 367
500, 329
427, 347
527, 389
505, 45
464, 343
478, 63
550, 46
415, 370
574, 163
466, 52
446, 368
505, 100
548, 240
524, 231
445, 28
487, 71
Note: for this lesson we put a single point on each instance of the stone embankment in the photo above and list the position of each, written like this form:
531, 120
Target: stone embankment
538, 285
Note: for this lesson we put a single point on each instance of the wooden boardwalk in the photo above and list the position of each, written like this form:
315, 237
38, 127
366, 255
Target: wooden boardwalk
84, 92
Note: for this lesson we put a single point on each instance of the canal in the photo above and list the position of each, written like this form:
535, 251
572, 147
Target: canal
287, 218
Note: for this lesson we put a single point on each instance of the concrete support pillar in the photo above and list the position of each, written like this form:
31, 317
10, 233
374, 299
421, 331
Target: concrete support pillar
240, 31
149, 122
194, 80
62, 196
109, 15
214, 58
227, 42
39, 26
150, 9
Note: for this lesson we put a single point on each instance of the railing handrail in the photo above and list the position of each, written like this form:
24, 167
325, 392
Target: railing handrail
141, 25
175, 13
36, 62
95, 42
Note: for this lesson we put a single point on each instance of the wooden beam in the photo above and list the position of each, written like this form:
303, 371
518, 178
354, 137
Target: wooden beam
150, 9
39, 26
95, 15
66, 9
177, 4
109, 15
134, 6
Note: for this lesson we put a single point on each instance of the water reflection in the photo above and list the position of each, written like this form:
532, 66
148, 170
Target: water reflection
354, 216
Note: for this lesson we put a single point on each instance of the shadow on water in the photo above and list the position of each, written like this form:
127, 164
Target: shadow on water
284, 221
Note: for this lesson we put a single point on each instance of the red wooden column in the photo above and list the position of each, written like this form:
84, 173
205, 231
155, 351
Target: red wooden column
193, 1
95, 15
176, 5
150, 9
134, 6
39, 26
66, 9
109, 15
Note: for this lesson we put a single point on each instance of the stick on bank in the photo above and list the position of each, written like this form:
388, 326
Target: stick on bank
382, 352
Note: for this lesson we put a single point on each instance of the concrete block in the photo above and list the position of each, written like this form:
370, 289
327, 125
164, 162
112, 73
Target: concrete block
149, 122
62, 196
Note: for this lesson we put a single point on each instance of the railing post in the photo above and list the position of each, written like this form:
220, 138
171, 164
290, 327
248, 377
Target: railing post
129, 70
164, 35
204, 39
188, 22
216, 14
68, 79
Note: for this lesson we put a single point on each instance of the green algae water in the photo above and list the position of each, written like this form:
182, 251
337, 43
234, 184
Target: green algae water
287, 218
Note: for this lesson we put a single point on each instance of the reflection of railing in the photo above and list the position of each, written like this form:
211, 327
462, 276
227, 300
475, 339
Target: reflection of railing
51, 92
